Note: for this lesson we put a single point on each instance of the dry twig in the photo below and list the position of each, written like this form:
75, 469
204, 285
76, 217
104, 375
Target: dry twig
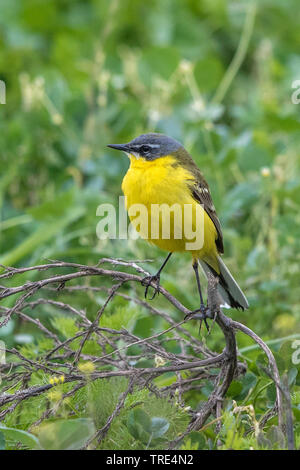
118, 362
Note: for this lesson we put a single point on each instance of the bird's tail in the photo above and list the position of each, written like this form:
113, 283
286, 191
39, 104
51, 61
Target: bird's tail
228, 288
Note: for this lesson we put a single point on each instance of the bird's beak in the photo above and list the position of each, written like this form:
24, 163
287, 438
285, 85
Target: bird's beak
123, 147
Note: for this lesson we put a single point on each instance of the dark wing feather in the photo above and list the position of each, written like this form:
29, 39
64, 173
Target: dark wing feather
200, 190
201, 193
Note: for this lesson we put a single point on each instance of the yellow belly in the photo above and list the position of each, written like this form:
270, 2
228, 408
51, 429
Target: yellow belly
159, 182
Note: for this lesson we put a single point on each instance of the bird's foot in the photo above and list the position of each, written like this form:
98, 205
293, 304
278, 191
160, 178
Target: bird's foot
147, 281
201, 314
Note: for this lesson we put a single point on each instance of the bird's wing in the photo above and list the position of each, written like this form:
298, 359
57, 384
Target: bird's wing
200, 192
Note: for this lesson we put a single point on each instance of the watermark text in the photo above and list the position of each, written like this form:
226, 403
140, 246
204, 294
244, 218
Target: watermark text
178, 222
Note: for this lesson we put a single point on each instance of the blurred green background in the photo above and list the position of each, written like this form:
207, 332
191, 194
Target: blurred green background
215, 75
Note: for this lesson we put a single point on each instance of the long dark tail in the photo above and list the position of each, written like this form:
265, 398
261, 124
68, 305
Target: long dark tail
229, 289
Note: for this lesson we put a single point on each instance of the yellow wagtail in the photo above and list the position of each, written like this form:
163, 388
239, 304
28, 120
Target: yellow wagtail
162, 172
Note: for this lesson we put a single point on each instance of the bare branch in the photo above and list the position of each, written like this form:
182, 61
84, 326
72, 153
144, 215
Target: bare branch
113, 360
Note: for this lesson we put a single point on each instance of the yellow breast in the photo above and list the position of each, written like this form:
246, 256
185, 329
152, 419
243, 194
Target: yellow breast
158, 182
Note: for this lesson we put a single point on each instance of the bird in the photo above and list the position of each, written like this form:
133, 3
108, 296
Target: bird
162, 172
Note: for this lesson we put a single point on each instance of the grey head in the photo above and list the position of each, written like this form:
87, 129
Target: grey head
149, 146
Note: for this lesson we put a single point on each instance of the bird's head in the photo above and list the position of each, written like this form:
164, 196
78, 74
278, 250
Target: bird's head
149, 146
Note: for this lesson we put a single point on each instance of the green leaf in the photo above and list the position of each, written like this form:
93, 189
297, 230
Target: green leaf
296, 413
281, 362
292, 375
139, 425
27, 439
271, 393
234, 389
139, 416
69, 434
159, 427
197, 439
262, 364
249, 381
2, 441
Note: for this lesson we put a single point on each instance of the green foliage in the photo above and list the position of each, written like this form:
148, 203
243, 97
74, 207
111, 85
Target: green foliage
145, 429
122, 317
16, 435
65, 325
69, 434
58, 435
2, 441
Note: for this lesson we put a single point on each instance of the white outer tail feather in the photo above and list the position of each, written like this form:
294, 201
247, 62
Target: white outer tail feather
233, 287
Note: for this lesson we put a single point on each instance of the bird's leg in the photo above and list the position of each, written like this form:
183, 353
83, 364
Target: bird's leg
149, 279
203, 310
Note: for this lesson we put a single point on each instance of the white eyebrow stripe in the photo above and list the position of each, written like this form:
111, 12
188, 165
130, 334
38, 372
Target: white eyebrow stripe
153, 146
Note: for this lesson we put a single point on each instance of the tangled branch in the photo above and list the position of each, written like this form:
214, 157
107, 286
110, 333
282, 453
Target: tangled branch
62, 360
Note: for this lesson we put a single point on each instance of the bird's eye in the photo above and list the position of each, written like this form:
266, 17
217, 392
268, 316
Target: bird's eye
145, 149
